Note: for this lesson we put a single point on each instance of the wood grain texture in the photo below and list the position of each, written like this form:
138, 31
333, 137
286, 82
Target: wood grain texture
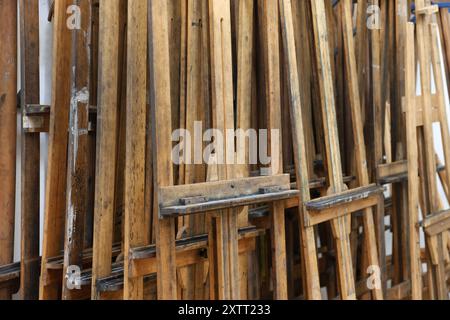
107, 118
134, 232
30, 157
77, 162
56, 183
160, 94
8, 124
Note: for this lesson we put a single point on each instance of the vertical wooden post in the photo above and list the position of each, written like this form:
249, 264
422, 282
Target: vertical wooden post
224, 257
55, 195
107, 123
424, 55
134, 231
8, 127
424, 44
273, 103
413, 165
308, 241
160, 94
30, 157
244, 107
77, 166
443, 119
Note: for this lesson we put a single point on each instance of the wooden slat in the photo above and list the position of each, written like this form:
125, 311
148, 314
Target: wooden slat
274, 125
413, 166
134, 230
311, 273
77, 162
245, 70
30, 157
161, 135
424, 56
55, 195
8, 123
374, 257
340, 226
108, 93
442, 106
224, 280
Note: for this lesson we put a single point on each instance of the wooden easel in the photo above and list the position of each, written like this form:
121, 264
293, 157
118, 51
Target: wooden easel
435, 222
336, 207
222, 197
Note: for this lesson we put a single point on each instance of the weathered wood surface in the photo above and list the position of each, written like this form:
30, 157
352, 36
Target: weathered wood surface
30, 156
56, 182
77, 162
107, 123
160, 93
8, 124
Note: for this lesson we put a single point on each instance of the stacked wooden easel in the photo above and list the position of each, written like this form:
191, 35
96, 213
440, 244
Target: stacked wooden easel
349, 175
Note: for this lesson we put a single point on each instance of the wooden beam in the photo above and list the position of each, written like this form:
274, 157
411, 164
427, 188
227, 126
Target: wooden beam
160, 89
308, 242
108, 93
340, 226
224, 279
77, 166
245, 71
8, 124
55, 195
274, 125
413, 165
134, 231
30, 157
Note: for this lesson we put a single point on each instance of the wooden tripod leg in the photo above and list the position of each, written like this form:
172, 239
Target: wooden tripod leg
341, 232
308, 242
341, 226
77, 170
413, 165
441, 274
360, 150
160, 89
134, 231
8, 123
29, 268
439, 81
244, 108
273, 103
55, 196
424, 55
437, 263
107, 114
225, 263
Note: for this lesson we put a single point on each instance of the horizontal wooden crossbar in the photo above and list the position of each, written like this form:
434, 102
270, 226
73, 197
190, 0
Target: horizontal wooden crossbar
334, 206
437, 223
396, 172
189, 251
212, 196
